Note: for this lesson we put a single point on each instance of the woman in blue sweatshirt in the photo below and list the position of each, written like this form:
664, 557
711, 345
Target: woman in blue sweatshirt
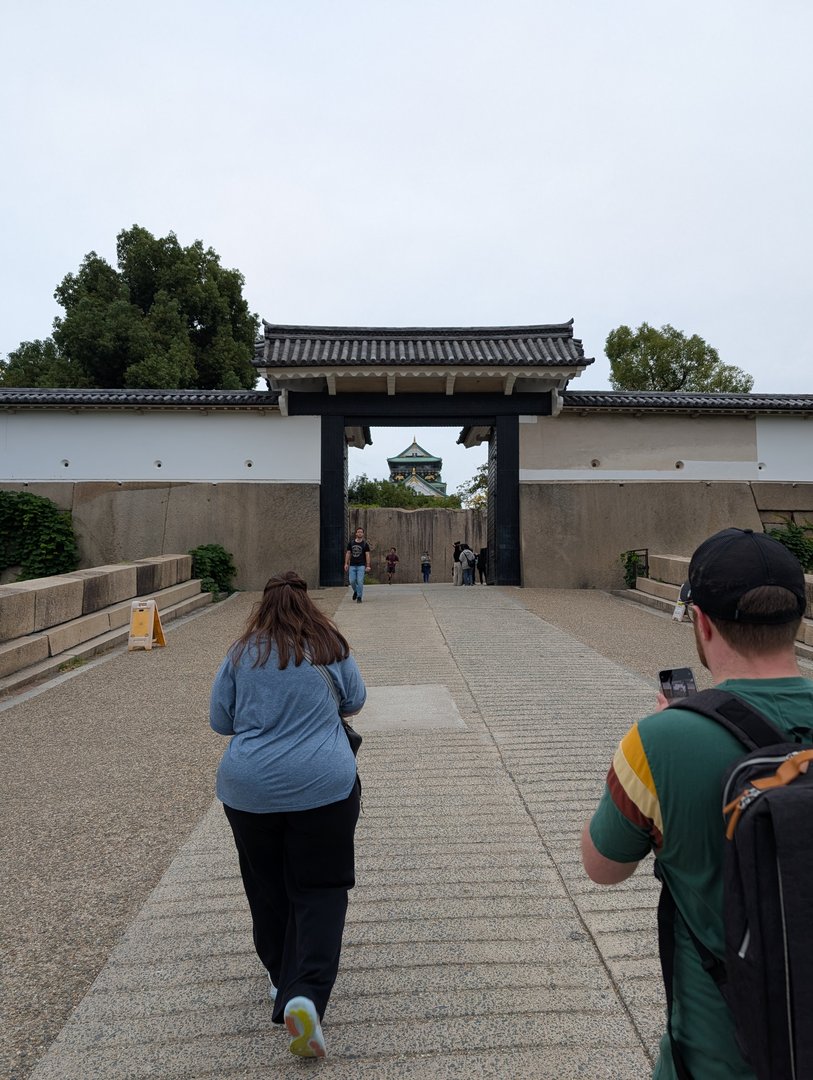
290, 790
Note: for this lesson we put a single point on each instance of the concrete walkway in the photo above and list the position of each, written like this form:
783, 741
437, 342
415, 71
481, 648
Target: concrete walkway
474, 945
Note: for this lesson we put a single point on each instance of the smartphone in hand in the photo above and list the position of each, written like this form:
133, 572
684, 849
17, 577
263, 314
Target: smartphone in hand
677, 682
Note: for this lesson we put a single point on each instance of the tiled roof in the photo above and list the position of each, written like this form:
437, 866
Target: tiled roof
134, 399
677, 401
414, 453
476, 346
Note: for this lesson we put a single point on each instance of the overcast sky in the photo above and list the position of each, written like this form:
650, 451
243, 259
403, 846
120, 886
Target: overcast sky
429, 162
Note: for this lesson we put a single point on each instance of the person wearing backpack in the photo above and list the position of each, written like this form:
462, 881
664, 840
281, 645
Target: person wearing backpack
467, 562
664, 793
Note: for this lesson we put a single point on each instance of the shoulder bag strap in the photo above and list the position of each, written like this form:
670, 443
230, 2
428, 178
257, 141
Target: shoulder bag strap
735, 715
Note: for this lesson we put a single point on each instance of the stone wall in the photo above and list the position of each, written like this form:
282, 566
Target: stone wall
267, 528
410, 531
573, 533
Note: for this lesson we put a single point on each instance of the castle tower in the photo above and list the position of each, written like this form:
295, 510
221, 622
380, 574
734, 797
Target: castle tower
418, 470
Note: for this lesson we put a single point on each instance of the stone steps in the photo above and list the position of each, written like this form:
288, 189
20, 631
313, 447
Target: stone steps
113, 629
660, 592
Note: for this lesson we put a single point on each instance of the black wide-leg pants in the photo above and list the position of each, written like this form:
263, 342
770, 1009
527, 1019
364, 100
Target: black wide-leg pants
297, 868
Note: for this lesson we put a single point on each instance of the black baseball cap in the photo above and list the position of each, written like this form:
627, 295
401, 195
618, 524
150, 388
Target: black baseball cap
732, 563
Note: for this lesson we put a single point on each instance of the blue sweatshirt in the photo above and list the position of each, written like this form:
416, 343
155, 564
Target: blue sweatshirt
288, 749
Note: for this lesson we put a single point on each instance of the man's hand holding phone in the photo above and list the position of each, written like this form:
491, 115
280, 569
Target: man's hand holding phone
675, 683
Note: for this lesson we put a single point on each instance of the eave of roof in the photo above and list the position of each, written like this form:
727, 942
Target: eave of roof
651, 401
308, 347
35, 398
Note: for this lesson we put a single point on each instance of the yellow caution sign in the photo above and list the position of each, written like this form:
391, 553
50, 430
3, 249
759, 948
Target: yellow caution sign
145, 625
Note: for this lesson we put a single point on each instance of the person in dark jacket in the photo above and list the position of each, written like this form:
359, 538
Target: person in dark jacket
482, 565
457, 569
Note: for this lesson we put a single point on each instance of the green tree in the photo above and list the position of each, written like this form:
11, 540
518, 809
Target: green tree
170, 317
665, 359
39, 364
474, 494
365, 492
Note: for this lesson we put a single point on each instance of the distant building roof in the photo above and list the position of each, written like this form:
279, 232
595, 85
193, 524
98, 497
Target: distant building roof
413, 454
424, 487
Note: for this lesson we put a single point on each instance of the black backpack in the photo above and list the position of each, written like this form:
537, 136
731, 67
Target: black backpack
767, 977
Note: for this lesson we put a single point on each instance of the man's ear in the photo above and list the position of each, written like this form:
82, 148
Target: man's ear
702, 622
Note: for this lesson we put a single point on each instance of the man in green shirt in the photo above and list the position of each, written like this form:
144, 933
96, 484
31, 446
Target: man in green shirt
663, 791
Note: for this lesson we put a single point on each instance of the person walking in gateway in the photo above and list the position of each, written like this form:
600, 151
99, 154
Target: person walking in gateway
482, 565
426, 566
392, 562
357, 563
664, 787
457, 569
467, 562
291, 793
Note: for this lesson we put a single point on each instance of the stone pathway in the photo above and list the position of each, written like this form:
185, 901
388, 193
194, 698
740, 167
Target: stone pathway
475, 946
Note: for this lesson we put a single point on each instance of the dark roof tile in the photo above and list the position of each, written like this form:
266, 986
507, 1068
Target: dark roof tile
134, 399
679, 401
364, 346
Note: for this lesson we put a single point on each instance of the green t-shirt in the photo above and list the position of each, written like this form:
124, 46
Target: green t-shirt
663, 794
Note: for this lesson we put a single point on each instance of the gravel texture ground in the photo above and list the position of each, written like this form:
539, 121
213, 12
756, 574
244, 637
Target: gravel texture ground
107, 772
104, 775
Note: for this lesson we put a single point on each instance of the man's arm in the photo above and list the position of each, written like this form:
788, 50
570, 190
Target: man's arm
600, 869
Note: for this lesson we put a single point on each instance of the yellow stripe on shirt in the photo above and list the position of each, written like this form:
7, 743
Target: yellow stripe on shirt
635, 777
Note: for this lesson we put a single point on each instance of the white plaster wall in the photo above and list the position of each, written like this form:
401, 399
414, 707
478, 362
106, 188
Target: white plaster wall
785, 448
164, 446
666, 447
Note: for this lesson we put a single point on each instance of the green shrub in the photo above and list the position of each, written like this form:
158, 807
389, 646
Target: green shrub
35, 535
795, 539
213, 565
365, 492
635, 566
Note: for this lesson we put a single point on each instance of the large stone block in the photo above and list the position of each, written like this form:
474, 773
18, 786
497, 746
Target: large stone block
572, 533
119, 522
166, 571
661, 589
147, 573
77, 631
673, 569
176, 594
60, 492
57, 599
413, 531
16, 612
106, 585
19, 654
267, 528
161, 572
787, 498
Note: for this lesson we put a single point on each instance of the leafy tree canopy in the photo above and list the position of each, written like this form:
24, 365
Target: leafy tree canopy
170, 317
665, 359
365, 492
474, 494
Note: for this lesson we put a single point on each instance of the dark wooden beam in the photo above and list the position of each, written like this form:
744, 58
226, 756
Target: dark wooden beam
430, 410
506, 502
332, 502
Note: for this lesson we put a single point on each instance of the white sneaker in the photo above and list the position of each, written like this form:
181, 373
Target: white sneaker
272, 990
302, 1022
